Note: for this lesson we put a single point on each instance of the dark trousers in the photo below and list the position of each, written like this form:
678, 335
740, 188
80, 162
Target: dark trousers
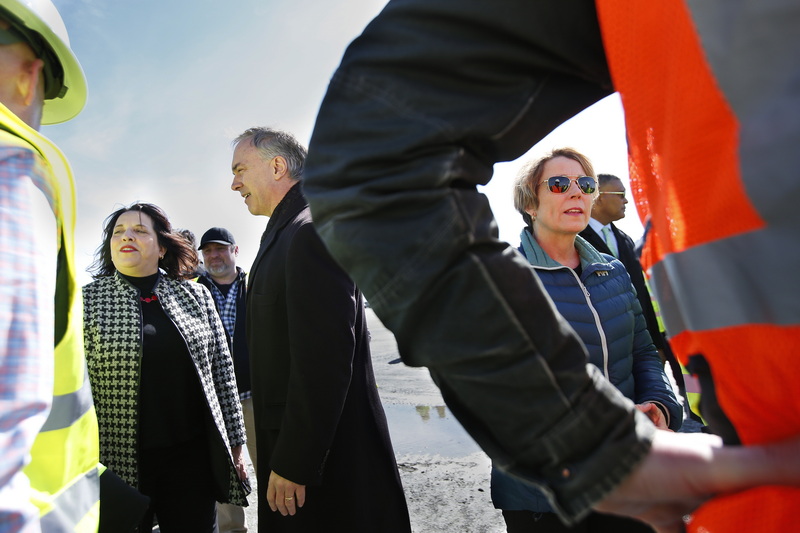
179, 483
530, 522
425, 101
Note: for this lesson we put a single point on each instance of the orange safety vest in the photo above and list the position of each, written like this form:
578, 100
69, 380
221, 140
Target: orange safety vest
722, 260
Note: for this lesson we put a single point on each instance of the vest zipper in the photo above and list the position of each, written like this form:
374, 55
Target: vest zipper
598, 324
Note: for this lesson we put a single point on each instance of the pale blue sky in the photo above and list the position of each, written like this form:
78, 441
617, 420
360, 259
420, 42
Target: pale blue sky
171, 83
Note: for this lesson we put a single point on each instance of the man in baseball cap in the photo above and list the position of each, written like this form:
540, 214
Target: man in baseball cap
228, 285
218, 235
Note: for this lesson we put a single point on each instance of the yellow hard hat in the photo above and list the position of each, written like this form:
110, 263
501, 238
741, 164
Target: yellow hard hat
41, 26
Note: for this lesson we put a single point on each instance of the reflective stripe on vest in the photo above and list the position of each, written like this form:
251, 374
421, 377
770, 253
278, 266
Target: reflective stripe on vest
68, 408
714, 296
63, 470
713, 172
70, 507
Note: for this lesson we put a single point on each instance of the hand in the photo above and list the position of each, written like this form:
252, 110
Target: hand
238, 462
285, 496
683, 470
655, 414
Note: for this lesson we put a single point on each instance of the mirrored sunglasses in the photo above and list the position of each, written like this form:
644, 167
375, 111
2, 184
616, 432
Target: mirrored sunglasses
561, 184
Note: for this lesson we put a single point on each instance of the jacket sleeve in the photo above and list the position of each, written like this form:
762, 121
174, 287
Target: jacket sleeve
650, 380
321, 317
222, 370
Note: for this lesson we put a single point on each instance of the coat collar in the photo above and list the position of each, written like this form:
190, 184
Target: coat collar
287, 209
591, 259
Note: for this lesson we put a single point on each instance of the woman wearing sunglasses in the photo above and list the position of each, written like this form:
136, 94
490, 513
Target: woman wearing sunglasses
594, 293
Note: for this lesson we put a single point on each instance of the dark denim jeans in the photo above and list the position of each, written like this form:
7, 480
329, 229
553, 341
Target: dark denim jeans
424, 103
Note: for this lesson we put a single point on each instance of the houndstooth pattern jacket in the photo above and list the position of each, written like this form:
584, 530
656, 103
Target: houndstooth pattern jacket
113, 340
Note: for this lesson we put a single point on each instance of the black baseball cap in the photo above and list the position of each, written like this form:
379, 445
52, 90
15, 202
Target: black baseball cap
220, 235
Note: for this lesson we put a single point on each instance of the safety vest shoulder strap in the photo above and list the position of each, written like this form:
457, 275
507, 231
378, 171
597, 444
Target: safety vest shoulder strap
63, 470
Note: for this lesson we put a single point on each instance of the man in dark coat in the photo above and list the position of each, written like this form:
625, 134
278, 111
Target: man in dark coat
609, 239
326, 459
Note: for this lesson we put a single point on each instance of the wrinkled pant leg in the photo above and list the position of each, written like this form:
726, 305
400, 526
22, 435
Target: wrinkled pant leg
424, 103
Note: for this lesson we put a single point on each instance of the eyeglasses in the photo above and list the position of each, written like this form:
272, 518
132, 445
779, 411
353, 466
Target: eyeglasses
561, 184
613, 192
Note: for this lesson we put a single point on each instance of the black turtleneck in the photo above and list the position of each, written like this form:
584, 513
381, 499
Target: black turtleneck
171, 405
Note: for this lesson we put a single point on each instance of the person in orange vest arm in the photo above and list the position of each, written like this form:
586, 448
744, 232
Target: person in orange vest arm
49, 475
433, 93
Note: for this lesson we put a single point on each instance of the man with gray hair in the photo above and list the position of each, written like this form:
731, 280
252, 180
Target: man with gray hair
322, 435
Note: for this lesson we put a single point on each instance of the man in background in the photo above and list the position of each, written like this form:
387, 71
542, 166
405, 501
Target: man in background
49, 447
228, 285
608, 238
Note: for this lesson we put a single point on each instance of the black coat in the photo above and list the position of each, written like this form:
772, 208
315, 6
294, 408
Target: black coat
318, 416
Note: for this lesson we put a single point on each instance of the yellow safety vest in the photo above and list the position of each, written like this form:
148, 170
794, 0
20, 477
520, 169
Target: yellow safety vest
63, 471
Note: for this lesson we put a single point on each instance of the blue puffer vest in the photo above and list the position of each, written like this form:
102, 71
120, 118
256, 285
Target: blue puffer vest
601, 306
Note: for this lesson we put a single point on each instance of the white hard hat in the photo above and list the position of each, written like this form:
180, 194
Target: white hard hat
40, 21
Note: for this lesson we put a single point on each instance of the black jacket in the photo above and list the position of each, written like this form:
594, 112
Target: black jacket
318, 416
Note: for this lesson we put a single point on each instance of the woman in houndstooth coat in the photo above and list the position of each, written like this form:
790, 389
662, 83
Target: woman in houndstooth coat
161, 374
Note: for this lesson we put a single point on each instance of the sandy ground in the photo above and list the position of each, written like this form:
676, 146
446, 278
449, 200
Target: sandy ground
444, 473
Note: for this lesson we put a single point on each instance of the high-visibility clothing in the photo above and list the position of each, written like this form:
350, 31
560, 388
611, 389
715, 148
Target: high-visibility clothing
712, 123
692, 388
63, 470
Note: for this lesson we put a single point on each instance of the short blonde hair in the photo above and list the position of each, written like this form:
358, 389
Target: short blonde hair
526, 192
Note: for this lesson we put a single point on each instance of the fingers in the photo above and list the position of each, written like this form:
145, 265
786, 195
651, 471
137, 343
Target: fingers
284, 496
271, 491
242, 472
286, 505
683, 470
238, 460
654, 414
